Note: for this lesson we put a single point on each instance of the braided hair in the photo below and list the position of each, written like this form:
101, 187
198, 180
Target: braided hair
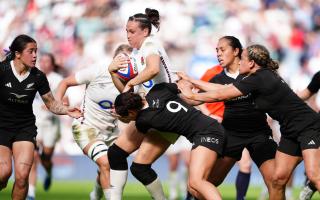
260, 55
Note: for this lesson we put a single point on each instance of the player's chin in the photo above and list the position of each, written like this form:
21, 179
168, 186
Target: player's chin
31, 64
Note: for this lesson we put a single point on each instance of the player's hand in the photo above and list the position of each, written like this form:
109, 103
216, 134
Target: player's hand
186, 90
128, 87
183, 76
119, 62
74, 112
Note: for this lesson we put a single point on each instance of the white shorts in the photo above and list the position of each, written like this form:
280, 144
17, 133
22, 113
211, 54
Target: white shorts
84, 134
48, 131
182, 144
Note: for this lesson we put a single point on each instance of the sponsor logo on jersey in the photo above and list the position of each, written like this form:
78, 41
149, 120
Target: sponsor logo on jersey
311, 143
29, 86
105, 104
210, 140
148, 84
8, 85
18, 96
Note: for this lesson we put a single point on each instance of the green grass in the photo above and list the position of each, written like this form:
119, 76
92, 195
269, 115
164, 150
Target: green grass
71, 190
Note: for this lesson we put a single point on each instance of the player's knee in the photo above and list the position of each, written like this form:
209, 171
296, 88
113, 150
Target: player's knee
279, 180
194, 183
21, 182
143, 173
117, 158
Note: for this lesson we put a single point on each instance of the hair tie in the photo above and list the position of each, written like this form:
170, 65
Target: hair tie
6, 52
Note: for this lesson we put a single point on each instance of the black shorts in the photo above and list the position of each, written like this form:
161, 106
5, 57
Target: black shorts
213, 138
309, 139
9, 136
261, 147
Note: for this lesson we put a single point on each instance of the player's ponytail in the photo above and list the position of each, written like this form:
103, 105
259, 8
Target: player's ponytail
8, 55
127, 101
153, 16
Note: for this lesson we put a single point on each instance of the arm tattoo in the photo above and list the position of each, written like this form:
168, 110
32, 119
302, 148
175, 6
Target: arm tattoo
53, 105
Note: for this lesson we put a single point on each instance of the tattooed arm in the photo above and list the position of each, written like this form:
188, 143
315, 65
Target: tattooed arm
58, 108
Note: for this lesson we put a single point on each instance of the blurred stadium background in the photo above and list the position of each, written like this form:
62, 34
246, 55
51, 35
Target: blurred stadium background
82, 33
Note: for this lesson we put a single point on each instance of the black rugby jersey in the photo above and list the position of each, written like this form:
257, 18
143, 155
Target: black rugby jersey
17, 97
271, 94
169, 113
240, 114
314, 85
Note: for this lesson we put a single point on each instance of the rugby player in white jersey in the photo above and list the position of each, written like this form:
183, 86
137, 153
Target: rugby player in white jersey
97, 130
154, 67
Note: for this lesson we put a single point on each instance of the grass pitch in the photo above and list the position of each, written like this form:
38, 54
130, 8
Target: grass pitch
79, 190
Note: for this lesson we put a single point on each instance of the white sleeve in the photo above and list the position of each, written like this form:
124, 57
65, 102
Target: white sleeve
85, 76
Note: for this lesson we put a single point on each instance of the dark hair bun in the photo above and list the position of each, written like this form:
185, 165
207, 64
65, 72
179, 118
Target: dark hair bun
153, 16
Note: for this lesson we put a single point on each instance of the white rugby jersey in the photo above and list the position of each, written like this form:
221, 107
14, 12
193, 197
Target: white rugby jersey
151, 45
40, 112
99, 97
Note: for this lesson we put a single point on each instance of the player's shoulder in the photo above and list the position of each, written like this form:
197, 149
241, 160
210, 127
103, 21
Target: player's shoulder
150, 41
219, 77
37, 72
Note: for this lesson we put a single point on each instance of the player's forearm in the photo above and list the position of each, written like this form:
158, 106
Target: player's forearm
117, 82
61, 90
58, 108
205, 86
54, 106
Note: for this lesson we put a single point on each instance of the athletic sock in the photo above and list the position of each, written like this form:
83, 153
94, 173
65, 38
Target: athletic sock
107, 193
173, 182
155, 190
288, 193
32, 191
118, 179
242, 184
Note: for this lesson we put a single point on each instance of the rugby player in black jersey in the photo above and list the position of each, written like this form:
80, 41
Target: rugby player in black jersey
20, 80
245, 126
162, 109
299, 124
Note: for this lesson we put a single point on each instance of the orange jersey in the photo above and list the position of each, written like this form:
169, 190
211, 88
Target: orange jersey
218, 107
